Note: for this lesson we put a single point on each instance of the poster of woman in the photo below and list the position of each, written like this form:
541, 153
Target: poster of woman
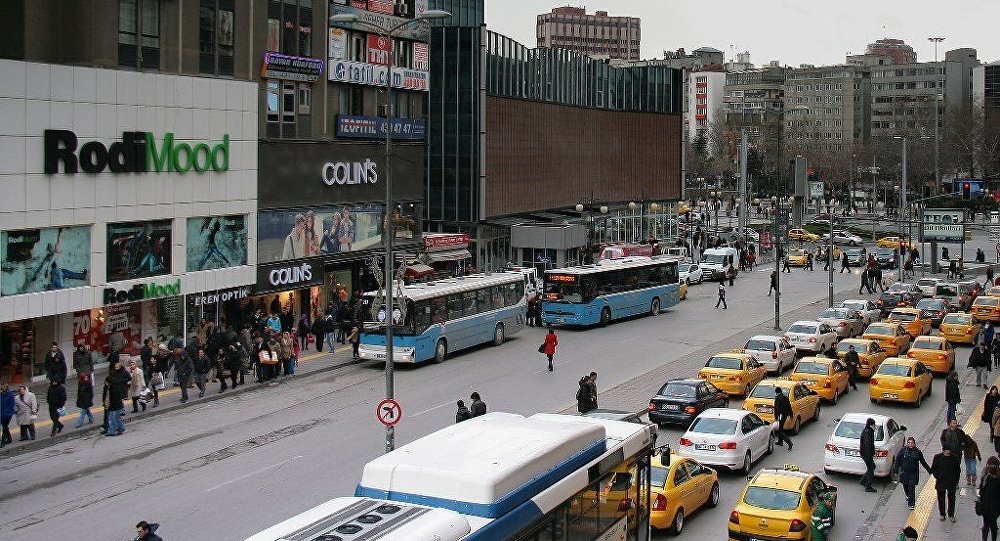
309, 232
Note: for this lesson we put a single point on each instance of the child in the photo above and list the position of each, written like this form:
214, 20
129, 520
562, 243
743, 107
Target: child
971, 454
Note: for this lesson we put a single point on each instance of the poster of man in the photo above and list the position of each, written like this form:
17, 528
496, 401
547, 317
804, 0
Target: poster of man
300, 233
138, 249
216, 242
35, 260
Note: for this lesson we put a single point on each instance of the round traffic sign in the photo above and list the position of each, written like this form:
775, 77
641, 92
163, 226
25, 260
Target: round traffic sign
388, 412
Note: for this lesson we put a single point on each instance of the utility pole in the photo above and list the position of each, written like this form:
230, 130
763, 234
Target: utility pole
744, 220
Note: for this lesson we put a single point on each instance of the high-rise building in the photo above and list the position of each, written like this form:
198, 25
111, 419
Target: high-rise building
827, 108
754, 101
706, 89
598, 35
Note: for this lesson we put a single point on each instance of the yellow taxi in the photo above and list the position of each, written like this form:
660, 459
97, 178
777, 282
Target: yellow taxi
680, 486
993, 291
890, 242
797, 257
734, 373
900, 380
960, 328
935, 352
802, 235
805, 403
778, 505
986, 308
870, 354
891, 337
828, 378
912, 319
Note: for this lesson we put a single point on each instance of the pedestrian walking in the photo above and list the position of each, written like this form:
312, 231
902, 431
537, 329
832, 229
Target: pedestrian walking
722, 297
822, 517
83, 360
988, 501
55, 398
319, 332
330, 324
876, 277
583, 395
809, 260
305, 329
144, 531
463, 413
478, 406
907, 468
867, 452
782, 413
946, 471
970, 452
202, 366
988, 335
232, 366
995, 424
55, 364
26, 411
774, 284
784, 259
865, 281
84, 399
533, 306
592, 379
995, 350
354, 338
853, 362
137, 384
989, 408
952, 394
8, 407
989, 277
982, 361
730, 274
825, 254
114, 401
549, 346
267, 359
954, 437
844, 263
184, 369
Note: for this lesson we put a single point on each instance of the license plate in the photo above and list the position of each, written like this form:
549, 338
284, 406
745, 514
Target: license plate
852, 452
673, 407
890, 395
808, 382
704, 447
765, 409
560, 320
716, 376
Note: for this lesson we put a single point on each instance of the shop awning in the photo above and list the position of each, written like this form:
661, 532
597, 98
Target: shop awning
449, 255
418, 270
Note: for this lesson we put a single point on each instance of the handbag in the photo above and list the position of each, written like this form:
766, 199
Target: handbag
61, 411
979, 507
156, 380
541, 348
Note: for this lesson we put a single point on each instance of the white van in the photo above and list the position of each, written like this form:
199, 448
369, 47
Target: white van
715, 261
532, 284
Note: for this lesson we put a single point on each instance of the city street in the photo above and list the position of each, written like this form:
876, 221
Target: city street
228, 468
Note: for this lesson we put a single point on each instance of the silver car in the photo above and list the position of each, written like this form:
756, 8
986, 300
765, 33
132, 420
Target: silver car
844, 237
844, 321
774, 352
928, 285
868, 310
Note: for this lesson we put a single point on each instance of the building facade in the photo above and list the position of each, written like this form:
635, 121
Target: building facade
754, 101
827, 109
130, 178
895, 51
598, 35
705, 101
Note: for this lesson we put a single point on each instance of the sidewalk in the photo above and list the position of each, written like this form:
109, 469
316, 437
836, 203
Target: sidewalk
312, 362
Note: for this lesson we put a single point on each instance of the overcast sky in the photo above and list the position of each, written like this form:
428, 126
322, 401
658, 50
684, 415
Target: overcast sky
792, 31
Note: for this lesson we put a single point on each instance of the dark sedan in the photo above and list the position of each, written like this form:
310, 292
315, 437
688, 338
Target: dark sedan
856, 257
679, 401
887, 258
935, 309
897, 296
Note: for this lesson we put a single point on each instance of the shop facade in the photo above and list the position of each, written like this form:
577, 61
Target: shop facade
321, 221
125, 194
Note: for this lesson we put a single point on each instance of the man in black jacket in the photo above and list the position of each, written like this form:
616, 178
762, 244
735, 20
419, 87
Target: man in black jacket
202, 366
981, 360
184, 367
952, 394
782, 412
83, 360
953, 437
867, 452
478, 406
55, 364
853, 361
946, 471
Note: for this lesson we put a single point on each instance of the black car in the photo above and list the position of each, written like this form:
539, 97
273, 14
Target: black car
679, 401
887, 258
856, 257
897, 296
935, 309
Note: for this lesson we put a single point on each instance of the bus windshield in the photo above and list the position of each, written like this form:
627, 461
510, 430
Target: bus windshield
568, 288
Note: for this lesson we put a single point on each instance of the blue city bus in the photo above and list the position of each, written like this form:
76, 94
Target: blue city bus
608, 290
445, 316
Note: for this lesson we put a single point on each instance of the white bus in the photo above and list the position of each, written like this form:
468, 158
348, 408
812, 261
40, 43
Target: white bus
498, 477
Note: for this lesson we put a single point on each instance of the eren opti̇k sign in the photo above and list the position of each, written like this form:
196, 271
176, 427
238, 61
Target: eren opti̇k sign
136, 152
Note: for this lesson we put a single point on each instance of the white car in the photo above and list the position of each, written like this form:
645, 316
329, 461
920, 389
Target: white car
842, 449
774, 352
690, 273
868, 310
845, 322
811, 336
844, 237
928, 285
727, 437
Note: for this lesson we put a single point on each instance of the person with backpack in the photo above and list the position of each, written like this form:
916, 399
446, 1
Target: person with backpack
463, 413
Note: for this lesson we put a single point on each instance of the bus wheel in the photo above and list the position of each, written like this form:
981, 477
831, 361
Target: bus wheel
441, 351
605, 316
654, 307
499, 335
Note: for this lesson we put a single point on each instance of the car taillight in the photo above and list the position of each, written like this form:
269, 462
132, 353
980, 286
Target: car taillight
909, 385
872, 381
685, 442
910, 355
968, 331
842, 324
730, 445
690, 409
660, 503
941, 357
796, 525
812, 339
652, 406
625, 504
832, 448
901, 303
774, 354
734, 517
826, 384
881, 453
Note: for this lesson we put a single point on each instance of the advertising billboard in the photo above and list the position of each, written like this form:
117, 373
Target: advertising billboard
138, 249
35, 260
288, 234
216, 242
363, 73
379, 49
944, 225
373, 127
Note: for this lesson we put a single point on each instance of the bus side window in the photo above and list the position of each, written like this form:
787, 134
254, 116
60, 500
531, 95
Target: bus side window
656, 275
421, 315
484, 299
511, 294
469, 301
497, 292
455, 307
439, 312
670, 275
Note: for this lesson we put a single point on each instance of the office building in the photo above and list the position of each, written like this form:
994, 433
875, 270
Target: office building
754, 101
598, 35
828, 108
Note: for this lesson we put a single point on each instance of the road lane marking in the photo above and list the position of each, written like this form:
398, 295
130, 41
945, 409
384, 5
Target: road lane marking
251, 474
428, 410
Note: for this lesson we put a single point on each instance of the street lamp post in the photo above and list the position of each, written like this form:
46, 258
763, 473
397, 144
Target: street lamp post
388, 233
775, 247
937, 94
902, 204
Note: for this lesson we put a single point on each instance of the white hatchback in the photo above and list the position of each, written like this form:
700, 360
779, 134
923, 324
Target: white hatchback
928, 286
869, 311
774, 352
842, 449
811, 336
727, 437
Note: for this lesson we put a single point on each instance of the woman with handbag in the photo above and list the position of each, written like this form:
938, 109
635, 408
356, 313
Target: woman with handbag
549, 346
907, 468
26, 408
988, 502
55, 397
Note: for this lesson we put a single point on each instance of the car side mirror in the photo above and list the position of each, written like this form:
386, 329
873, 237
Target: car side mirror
902, 428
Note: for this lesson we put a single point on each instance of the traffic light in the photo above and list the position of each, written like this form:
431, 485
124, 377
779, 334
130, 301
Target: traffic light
811, 173
966, 191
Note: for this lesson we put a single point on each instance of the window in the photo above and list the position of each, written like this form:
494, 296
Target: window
139, 34
289, 27
305, 99
352, 100
281, 98
215, 37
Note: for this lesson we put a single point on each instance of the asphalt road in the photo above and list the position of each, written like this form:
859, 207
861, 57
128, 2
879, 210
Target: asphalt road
226, 469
